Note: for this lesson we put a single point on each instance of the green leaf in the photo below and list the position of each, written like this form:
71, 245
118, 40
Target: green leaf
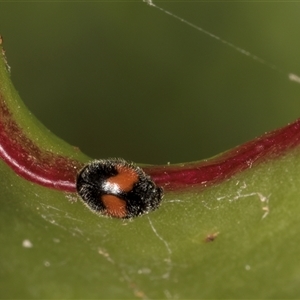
236, 238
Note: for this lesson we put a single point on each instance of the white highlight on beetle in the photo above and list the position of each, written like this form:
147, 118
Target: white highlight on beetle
291, 76
109, 187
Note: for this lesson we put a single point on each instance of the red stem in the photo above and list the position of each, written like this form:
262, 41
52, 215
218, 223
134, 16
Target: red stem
268, 146
55, 171
31, 162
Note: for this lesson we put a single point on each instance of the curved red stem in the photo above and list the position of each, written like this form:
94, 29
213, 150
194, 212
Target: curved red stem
31, 162
268, 146
49, 169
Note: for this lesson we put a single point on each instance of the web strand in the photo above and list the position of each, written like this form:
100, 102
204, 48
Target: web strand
291, 76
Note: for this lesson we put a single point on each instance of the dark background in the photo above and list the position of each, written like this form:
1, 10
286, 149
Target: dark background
124, 79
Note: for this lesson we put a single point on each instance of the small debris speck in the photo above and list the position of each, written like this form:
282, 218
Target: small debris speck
294, 77
27, 244
211, 237
46, 263
144, 271
247, 268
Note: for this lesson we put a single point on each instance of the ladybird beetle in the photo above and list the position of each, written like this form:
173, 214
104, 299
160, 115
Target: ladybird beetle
117, 188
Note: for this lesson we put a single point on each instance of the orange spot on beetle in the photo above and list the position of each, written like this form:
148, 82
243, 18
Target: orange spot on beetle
115, 207
125, 178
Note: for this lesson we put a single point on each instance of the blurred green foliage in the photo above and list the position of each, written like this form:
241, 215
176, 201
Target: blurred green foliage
124, 79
